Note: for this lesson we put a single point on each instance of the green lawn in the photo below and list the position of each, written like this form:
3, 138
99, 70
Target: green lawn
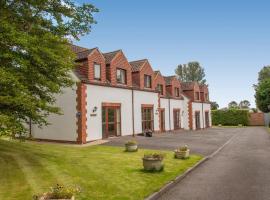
102, 172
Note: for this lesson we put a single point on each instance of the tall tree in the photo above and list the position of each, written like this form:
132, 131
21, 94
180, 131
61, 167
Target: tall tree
214, 105
263, 95
233, 105
193, 71
245, 104
35, 58
264, 73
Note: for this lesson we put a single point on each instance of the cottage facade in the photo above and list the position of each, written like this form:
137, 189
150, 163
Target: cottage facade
115, 97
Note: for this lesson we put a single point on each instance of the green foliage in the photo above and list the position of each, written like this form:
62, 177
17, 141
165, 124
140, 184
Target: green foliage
263, 95
264, 73
131, 142
214, 105
245, 104
230, 117
193, 71
35, 58
233, 105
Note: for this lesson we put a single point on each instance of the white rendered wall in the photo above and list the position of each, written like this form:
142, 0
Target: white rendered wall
202, 107
185, 114
143, 97
62, 127
96, 95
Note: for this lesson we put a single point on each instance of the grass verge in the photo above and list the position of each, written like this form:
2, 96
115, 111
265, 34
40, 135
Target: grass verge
102, 172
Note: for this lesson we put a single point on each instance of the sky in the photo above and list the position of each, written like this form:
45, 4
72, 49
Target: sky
230, 39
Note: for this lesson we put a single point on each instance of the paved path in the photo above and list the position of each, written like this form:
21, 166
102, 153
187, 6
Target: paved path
240, 171
202, 142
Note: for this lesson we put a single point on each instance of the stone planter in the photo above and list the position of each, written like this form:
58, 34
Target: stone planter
151, 164
181, 154
131, 147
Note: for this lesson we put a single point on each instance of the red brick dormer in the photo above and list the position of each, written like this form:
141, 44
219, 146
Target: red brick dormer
204, 93
118, 69
173, 87
91, 64
142, 75
192, 90
159, 83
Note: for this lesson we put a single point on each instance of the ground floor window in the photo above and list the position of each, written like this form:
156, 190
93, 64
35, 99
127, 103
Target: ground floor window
197, 120
176, 119
111, 120
147, 118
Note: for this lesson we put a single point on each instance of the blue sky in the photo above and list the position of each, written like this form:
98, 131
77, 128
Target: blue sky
231, 39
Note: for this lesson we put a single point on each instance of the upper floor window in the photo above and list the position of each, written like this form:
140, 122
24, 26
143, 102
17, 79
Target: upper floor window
176, 92
97, 71
206, 97
121, 76
160, 88
197, 96
147, 81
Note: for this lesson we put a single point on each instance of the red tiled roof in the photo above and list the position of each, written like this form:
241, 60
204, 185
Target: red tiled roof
77, 49
81, 52
137, 65
168, 79
110, 55
188, 85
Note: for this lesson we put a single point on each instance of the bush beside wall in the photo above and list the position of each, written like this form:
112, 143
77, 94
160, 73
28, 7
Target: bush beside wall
231, 117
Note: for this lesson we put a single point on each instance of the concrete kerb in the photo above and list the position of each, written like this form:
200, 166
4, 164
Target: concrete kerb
172, 183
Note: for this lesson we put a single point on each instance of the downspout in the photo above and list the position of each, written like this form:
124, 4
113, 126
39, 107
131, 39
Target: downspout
133, 128
169, 101
203, 116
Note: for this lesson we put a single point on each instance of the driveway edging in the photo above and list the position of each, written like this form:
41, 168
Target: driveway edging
172, 183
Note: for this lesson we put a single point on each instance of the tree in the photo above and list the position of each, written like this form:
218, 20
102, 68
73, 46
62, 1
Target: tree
245, 104
214, 105
264, 73
193, 71
35, 57
263, 95
233, 105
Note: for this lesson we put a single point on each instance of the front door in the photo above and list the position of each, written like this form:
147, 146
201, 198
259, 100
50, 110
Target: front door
111, 121
162, 120
197, 120
207, 119
176, 119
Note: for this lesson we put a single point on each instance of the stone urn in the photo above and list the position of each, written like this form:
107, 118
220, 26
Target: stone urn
131, 146
153, 162
182, 152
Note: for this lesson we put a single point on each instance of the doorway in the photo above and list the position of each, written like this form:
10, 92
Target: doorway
197, 120
207, 119
162, 119
111, 121
176, 119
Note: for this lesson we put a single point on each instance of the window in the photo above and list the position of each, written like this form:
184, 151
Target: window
176, 119
97, 71
206, 97
160, 88
197, 96
121, 76
147, 81
176, 92
147, 118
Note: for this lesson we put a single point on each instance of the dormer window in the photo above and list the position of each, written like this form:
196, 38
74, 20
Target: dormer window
176, 92
97, 71
160, 89
121, 76
197, 96
206, 97
147, 81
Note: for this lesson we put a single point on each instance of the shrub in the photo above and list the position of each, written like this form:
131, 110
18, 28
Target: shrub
131, 142
230, 117
183, 148
154, 156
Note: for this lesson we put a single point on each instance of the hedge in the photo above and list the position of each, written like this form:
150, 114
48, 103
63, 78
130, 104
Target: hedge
231, 117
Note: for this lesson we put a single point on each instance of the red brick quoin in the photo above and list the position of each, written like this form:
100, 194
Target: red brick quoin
81, 113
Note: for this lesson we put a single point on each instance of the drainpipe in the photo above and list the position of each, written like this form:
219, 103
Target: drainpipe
203, 116
133, 128
169, 101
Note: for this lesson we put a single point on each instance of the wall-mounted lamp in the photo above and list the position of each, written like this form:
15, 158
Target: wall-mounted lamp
95, 109
78, 114
157, 111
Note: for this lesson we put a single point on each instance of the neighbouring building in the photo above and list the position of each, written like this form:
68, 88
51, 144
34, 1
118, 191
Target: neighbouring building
115, 97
